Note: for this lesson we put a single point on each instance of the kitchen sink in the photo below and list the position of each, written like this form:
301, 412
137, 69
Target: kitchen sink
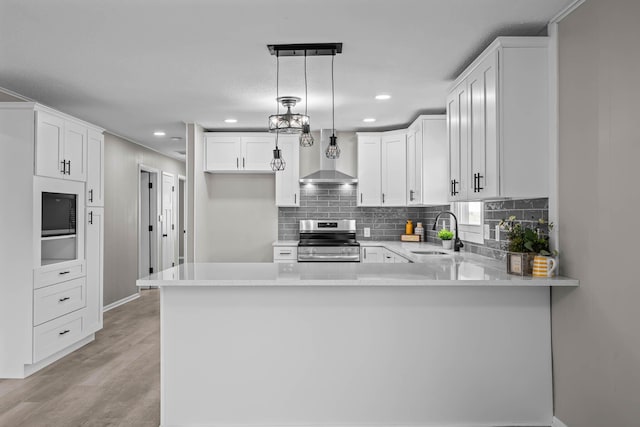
424, 252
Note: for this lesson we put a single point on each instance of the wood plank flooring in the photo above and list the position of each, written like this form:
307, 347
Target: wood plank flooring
113, 381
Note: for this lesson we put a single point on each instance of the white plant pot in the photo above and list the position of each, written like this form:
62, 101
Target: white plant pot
447, 244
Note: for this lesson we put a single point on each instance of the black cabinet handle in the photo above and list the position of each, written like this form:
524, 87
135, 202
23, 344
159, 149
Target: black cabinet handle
91, 217
64, 332
164, 235
64, 167
64, 272
411, 195
365, 253
243, 163
382, 197
360, 197
476, 182
91, 195
453, 186
63, 299
295, 198
69, 164
237, 163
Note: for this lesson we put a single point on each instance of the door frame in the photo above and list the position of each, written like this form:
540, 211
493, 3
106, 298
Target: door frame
156, 222
170, 231
182, 234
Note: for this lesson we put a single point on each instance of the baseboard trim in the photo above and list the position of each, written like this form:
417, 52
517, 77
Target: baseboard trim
557, 423
32, 369
121, 302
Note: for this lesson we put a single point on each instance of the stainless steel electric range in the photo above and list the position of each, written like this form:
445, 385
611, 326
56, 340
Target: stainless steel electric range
328, 241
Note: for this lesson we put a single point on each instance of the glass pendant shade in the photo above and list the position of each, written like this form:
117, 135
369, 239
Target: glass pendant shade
306, 140
277, 163
333, 151
288, 122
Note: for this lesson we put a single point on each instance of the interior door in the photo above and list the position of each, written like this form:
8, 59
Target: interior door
168, 224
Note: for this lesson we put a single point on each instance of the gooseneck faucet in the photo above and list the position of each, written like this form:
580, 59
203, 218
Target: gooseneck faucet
457, 243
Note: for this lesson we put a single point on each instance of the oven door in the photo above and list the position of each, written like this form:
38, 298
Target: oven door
328, 253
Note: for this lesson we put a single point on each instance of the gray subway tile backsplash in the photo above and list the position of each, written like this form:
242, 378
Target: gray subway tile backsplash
387, 223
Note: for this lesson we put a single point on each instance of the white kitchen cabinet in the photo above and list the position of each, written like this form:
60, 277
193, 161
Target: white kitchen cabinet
285, 253
498, 123
369, 170
287, 181
390, 257
394, 161
372, 254
382, 179
95, 168
61, 147
95, 268
427, 161
238, 152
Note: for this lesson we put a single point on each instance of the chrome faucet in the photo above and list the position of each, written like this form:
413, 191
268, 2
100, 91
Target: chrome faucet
457, 243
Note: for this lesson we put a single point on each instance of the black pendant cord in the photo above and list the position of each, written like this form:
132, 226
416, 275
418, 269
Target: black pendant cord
277, 96
306, 99
333, 97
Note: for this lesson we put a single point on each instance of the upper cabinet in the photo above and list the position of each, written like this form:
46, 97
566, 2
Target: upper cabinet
95, 168
234, 152
427, 161
498, 123
382, 160
369, 170
287, 180
61, 147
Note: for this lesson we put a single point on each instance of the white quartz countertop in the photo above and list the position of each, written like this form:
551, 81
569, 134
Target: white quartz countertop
452, 269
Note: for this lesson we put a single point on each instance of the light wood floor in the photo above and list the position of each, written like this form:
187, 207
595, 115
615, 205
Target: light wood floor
113, 381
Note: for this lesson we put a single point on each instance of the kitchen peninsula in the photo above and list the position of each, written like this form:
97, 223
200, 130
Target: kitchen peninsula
451, 340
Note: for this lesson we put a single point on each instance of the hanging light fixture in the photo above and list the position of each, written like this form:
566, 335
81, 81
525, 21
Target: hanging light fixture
277, 163
306, 140
288, 122
333, 151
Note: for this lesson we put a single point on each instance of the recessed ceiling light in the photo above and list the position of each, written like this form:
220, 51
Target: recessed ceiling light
369, 120
159, 133
176, 138
230, 120
383, 97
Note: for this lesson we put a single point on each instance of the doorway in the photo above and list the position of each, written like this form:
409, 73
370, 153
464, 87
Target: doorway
148, 221
168, 221
182, 227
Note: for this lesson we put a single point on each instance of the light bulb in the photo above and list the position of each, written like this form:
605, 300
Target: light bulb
306, 140
333, 151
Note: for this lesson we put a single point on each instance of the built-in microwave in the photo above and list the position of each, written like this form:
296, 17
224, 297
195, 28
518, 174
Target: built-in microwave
59, 212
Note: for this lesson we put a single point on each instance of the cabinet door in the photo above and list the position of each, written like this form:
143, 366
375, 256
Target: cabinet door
388, 257
287, 184
94, 259
49, 140
483, 143
414, 166
222, 153
95, 169
257, 152
369, 178
435, 174
75, 151
371, 254
394, 161
457, 116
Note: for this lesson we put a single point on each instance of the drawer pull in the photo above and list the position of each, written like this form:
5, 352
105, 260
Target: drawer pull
64, 299
285, 252
64, 272
66, 331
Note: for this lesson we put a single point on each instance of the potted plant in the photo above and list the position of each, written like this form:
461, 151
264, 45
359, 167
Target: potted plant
524, 244
447, 238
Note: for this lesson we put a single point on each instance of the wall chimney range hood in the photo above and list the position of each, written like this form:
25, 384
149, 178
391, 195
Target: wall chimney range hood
327, 173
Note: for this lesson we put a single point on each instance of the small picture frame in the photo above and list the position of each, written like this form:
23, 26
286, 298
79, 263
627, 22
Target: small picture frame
520, 263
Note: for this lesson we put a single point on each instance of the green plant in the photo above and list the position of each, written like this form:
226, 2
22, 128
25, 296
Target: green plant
445, 234
527, 239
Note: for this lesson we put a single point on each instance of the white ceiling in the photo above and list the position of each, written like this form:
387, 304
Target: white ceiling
135, 66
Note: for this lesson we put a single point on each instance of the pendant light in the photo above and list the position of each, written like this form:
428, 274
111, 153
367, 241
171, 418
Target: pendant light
288, 122
306, 140
277, 163
333, 151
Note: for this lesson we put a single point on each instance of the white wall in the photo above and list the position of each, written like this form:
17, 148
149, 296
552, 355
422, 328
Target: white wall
121, 211
596, 343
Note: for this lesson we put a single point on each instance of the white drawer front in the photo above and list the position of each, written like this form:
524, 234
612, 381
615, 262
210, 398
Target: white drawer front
57, 300
57, 334
49, 275
285, 253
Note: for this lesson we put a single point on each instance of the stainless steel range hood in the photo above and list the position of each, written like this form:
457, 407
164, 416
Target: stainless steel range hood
327, 173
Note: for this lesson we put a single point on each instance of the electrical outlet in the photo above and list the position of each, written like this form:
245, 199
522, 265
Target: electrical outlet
487, 231
367, 232
497, 233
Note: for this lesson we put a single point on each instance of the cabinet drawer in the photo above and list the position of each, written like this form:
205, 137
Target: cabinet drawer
50, 275
57, 300
57, 334
285, 253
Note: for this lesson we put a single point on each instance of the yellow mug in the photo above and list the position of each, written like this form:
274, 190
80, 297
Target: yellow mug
544, 266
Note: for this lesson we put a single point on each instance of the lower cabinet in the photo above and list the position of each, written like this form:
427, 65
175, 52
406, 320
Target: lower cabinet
94, 231
53, 336
285, 254
379, 254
